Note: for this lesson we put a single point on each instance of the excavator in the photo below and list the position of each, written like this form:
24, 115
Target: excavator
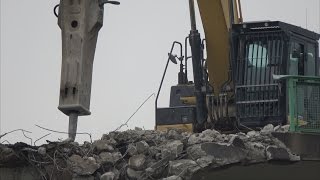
245, 74
235, 85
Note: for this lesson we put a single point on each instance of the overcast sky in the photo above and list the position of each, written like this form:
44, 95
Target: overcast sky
130, 57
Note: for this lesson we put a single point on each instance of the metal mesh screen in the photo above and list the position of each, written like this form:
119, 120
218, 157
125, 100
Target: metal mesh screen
260, 55
307, 106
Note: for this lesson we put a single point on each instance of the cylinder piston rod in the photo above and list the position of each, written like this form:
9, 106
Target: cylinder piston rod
73, 122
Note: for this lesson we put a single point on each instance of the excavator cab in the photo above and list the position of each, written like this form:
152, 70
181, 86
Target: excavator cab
240, 83
261, 51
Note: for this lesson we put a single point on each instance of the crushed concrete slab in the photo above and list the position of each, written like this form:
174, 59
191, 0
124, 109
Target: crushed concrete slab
172, 149
105, 158
142, 147
132, 174
182, 167
267, 129
108, 176
172, 178
146, 154
103, 145
83, 166
137, 162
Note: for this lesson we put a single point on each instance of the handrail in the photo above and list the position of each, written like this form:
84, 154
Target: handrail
164, 73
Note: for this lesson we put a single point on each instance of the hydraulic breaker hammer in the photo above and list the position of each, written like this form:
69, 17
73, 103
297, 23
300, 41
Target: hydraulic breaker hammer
80, 22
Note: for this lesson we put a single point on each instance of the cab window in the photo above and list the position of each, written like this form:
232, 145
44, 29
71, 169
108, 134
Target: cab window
296, 59
310, 67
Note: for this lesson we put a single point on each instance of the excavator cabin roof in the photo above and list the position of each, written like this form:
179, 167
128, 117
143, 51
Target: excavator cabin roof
248, 27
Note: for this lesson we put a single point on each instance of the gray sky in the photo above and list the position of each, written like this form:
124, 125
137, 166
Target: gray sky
130, 57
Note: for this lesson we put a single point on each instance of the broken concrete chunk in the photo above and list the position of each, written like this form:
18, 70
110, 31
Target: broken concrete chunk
116, 156
253, 134
181, 167
174, 135
108, 176
7, 155
223, 153
137, 162
268, 129
195, 151
138, 129
132, 174
255, 152
172, 149
106, 157
83, 178
142, 147
102, 145
132, 150
157, 169
173, 178
109, 158
42, 151
153, 150
282, 129
83, 166
205, 161
277, 128
211, 132
206, 136
286, 128
276, 153
237, 142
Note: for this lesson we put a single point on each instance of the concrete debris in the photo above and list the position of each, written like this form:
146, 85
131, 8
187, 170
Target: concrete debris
236, 141
253, 134
132, 150
83, 178
280, 153
183, 167
108, 176
205, 161
256, 152
172, 178
105, 158
267, 129
206, 136
142, 147
173, 134
282, 129
135, 175
103, 145
172, 149
83, 166
138, 129
137, 162
145, 154
42, 151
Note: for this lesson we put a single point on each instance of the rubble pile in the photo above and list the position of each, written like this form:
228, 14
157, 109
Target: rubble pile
146, 154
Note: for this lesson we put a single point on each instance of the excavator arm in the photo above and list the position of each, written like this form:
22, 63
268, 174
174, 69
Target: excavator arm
216, 20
